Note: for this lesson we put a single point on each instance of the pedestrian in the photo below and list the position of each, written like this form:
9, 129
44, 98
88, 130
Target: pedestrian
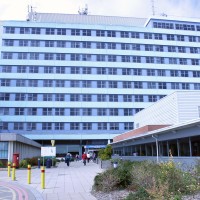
88, 157
77, 157
67, 159
84, 158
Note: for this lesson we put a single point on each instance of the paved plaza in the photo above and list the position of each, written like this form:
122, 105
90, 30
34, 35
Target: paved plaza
61, 183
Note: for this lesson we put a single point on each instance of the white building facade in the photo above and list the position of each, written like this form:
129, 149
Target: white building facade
79, 79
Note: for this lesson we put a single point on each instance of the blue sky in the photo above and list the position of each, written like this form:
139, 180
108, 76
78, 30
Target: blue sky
17, 9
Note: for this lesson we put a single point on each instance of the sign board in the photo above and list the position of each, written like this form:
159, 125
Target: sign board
48, 151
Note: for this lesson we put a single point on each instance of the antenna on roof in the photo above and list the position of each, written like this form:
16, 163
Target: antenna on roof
163, 14
32, 15
83, 11
153, 7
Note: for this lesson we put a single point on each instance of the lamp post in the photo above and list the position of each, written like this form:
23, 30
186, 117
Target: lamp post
156, 146
52, 144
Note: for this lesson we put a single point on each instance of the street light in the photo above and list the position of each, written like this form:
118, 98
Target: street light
156, 146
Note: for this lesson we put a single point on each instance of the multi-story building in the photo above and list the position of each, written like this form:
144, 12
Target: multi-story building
79, 79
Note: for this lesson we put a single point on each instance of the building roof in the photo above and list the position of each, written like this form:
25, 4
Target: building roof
88, 19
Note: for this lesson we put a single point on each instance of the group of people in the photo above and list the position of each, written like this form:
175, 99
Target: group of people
85, 157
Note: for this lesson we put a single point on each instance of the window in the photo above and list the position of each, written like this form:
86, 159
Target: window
60, 83
59, 111
151, 85
128, 112
152, 98
32, 111
111, 34
75, 44
113, 112
128, 126
135, 35
157, 36
24, 30
127, 84
86, 57
184, 73
4, 96
49, 43
159, 60
33, 83
111, 46
19, 111
48, 70
34, 56
21, 69
86, 32
112, 84
161, 72
50, 31
113, 98
148, 47
31, 126
33, 69
101, 58
59, 126
149, 59
137, 72
126, 71
180, 37
75, 97
4, 111
23, 43
163, 25
48, 56
124, 34
18, 126
151, 72
87, 45
136, 47
87, 97
60, 70
75, 70
87, 126
47, 83
8, 42
114, 126
47, 111
20, 97
170, 37
182, 61
127, 98
75, 57
175, 86
196, 73
101, 84
46, 126
139, 98
32, 97
171, 49
193, 50
159, 48
61, 44
59, 97
174, 73
126, 59
147, 35
162, 85
47, 97
4, 126
22, 56
185, 86
101, 97
136, 59
101, 70
172, 60
6, 69
87, 111
35, 43
197, 86
61, 31
4, 82
192, 38
35, 31
86, 70
112, 58
102, 126
100, 45
74, 111
75, 32
10, 30
100, 33
195, 61
138, 84
7, 55
125, 46
74, 83
181, 50
86, 84
101, 112
74, 126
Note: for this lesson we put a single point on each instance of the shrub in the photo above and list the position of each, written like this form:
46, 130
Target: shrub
1, 164
141, 194
23, 163
105, 154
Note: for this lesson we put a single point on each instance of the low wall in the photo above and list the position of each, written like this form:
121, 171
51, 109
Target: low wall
104, 164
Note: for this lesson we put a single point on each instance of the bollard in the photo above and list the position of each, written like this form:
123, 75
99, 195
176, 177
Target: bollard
9, 164
13, 172
42, 177
29, 174
39, 163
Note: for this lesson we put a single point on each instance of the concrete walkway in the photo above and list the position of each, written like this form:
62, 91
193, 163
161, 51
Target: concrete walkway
62, 183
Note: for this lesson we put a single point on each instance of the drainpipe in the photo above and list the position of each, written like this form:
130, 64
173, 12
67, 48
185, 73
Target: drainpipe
156, 146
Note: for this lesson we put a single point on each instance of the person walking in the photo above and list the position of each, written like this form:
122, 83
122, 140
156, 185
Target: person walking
84, 158
88, 157
67, 159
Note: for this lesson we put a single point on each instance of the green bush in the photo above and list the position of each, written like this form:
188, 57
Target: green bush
141, 194
105, 154
1, 164
23, 163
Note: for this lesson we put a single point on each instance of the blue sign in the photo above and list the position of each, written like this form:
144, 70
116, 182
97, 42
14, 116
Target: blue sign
95, 146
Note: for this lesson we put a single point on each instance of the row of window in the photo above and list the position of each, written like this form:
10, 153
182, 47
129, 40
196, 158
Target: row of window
177, 26
97, 33
99, 71
49, 126
70, 111
101, 45
79, 97
99, 58
98, 84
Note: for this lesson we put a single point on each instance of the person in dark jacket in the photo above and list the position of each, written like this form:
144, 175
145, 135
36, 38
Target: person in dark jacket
67, 159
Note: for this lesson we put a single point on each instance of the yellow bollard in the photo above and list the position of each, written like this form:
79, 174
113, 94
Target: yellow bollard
9, 169
29, 174
13, 172
43, 177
